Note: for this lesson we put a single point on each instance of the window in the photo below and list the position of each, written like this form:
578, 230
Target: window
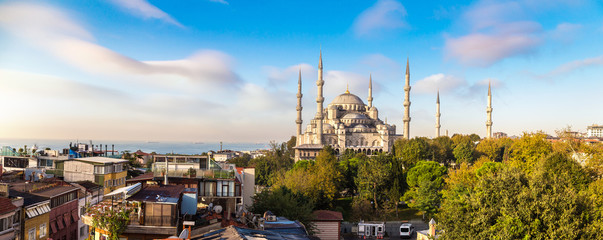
84, 231
31, 234
42, 229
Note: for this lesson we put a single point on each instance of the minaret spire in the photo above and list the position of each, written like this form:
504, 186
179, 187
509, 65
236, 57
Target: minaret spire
489, 112
370, 93
438, 115
319, 101
299, 108
406, 118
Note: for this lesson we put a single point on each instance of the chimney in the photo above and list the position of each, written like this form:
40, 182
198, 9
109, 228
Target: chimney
432, 228
3, 190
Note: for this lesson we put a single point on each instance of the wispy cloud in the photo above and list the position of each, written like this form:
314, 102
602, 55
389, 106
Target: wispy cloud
278, 76
566, 32
571, 67
55, 32
385, 14
144, 9
503, 29
219, 1
440, 81
484, 49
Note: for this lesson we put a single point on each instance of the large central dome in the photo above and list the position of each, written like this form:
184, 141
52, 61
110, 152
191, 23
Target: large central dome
347, 98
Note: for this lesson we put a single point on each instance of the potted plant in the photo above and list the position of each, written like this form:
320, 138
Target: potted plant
192, 172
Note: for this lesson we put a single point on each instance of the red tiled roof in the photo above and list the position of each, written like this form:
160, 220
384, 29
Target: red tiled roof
326, 215
142, 177
142, 153
6, 205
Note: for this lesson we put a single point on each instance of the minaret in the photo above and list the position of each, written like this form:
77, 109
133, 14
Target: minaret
489, 111
319, 101
370, 94
299, 109
406, 118
438, 115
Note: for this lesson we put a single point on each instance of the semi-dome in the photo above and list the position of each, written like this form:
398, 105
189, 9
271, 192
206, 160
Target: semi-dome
347, 98
354, 116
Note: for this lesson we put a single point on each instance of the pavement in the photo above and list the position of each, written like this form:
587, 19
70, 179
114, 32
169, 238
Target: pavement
391, 228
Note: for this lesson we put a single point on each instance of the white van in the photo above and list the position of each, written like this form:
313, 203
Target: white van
406, 230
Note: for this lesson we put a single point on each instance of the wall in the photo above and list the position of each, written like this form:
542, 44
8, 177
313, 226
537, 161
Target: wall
248, 186
327, 230
36, 222
68, 231
78, 171
112, 176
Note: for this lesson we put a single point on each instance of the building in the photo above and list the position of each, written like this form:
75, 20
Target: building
594, 131
10, 163
216, 183
346, 123
89, 194
35, 215
64, 214
500, 135
143, 157
108, 172
156, 211
327, 224
9, 217
429, 234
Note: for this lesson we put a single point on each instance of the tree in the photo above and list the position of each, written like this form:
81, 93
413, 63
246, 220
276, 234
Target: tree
283, 202
372, 176
494, 200
463, 152
318, 180
412, 151
114, 220
526, 151
348, 168
493, 149
240, 161
425, 181
441, 149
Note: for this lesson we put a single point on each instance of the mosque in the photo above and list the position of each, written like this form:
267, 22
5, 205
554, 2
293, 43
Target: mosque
346, 123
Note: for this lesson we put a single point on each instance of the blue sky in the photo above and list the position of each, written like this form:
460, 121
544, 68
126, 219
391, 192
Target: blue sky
203, 70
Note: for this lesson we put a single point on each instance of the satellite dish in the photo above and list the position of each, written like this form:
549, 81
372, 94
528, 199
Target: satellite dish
183, 234
218, 209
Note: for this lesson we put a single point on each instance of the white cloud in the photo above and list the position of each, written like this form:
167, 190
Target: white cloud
278, 77
219, 1
385, 14
503, 29
572, 66
145, 10
566, 32
484, 49
440, 81
53, 31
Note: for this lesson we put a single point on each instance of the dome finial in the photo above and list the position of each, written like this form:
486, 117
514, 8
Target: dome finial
347, 88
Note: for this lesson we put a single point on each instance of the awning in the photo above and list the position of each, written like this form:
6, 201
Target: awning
60, 222
53, 226
75, 216
67, 219
126, 192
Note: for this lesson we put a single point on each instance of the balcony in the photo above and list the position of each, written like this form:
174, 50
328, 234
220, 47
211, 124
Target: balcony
200, 174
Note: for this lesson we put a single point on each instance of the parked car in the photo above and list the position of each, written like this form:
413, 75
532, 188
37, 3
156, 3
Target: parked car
406, 230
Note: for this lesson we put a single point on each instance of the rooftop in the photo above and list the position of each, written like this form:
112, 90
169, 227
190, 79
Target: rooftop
326, 215
99, 160
6, 205
28, 198
159, 194
236, 233
54, 191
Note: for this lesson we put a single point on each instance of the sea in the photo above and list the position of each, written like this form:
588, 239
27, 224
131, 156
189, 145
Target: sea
133, 146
